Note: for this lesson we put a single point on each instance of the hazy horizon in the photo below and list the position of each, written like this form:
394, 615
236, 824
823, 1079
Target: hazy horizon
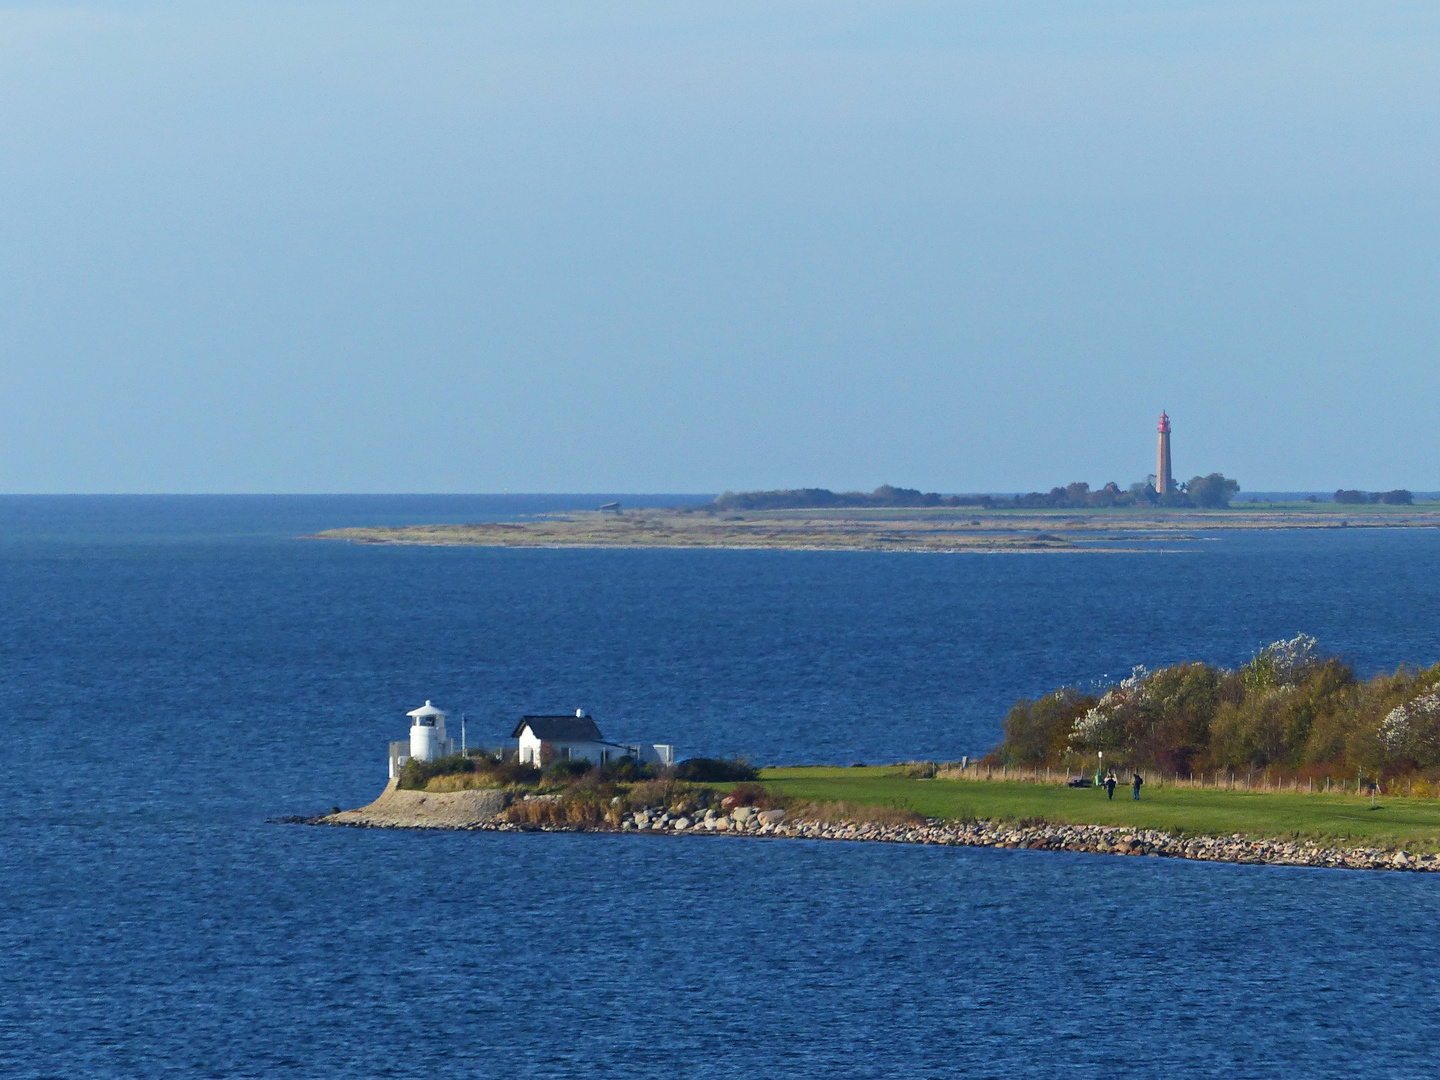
439, 247
689, 495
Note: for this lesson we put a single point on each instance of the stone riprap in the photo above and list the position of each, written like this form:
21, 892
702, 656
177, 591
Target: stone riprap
1096, 839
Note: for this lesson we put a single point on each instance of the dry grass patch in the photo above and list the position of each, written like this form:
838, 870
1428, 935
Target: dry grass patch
462, 782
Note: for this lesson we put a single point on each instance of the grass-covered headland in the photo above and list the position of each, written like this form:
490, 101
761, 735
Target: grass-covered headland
1289, 758
974, 805
1179, 809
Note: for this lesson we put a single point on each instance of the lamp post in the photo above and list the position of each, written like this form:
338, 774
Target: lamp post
1100, 769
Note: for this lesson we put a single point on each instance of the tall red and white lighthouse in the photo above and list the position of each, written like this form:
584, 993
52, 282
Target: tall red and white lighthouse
1164, 482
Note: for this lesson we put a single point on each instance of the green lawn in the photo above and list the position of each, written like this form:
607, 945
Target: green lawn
1413, 823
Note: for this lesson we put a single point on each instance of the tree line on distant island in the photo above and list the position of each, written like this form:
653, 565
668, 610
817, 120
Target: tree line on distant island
1291, 709
1213, 491
1398, 497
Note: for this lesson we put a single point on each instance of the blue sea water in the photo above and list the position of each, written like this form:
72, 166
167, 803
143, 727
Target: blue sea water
175, 671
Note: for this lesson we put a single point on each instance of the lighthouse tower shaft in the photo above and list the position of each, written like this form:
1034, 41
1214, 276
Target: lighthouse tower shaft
1164, 482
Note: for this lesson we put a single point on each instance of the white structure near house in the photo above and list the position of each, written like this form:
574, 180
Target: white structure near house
544, 739
427, 739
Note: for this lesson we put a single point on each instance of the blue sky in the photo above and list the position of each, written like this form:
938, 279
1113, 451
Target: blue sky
694, 246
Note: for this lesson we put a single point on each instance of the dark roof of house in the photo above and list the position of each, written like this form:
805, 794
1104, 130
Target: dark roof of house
559, 728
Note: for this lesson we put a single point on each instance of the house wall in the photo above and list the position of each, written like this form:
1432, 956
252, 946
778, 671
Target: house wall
399, 755
533, 751
530, 750
529, 747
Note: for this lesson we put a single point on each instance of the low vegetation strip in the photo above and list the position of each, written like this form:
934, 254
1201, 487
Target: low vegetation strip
666, 529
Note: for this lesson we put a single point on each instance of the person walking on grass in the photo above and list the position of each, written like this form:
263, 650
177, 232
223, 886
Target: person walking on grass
1135, 785
1110, 786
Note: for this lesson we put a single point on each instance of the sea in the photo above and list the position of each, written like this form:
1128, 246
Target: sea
179, 673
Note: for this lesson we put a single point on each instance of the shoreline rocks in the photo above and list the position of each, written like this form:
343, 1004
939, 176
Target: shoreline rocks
415, 809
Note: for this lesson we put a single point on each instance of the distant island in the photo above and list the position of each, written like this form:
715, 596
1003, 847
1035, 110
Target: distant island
1015, 526
849, 530
1072, 518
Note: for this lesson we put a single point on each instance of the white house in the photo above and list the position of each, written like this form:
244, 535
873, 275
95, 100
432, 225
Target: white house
544, 739
427, 739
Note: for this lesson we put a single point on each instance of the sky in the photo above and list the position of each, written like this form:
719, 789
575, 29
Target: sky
692, 246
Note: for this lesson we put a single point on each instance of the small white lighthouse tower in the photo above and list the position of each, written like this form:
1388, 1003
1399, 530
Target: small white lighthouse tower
427, 734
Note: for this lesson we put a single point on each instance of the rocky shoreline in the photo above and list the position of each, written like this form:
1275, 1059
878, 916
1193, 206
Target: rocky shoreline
1092, 839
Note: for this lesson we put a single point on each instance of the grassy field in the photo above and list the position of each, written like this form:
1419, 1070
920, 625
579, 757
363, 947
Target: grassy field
1411, 823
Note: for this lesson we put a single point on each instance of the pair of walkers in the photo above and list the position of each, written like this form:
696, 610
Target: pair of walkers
1135, 783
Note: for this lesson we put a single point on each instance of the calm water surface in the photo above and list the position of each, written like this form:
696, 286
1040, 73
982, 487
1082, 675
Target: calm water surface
175, 671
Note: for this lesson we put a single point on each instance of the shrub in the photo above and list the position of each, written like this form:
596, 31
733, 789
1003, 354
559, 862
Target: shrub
416, 774
714, 771
756, 795
458, 773
571, 809
1290, 708
1036, 730
567, 768
1215, 490
626, 771
513, 771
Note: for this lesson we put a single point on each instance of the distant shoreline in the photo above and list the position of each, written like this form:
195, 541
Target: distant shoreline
939, 530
